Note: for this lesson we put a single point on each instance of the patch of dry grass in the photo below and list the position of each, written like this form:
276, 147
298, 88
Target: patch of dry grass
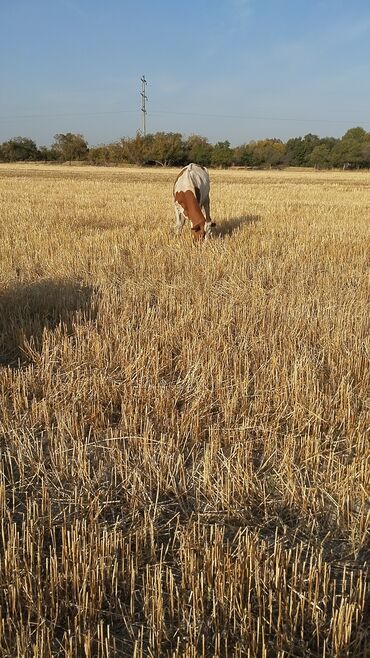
185, 464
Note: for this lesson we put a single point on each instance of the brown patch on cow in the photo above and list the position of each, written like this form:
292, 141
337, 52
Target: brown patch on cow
190, 203
192, 211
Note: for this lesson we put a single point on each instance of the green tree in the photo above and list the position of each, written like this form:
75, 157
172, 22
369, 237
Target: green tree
330, 142
19, 149
168, 149
295, 152
70, 147
48, 154
357, 134
298, 150
366, 152
243, 155
339, 154
268, 152
199, 150
321, 156
351, 150
222, 154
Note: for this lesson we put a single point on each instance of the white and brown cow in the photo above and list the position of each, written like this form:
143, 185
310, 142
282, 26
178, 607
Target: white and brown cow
191, 195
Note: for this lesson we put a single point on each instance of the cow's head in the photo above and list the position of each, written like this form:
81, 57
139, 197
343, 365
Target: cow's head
198, 232
202, 231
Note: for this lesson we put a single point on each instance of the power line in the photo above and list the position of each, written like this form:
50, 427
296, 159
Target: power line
244, 117
64, 114
259, 118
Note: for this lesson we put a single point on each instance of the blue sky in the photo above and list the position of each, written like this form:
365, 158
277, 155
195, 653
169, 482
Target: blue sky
225, 69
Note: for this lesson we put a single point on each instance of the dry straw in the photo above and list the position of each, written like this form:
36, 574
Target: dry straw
184, 458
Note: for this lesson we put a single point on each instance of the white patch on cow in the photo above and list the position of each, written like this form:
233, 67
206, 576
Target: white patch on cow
191, 177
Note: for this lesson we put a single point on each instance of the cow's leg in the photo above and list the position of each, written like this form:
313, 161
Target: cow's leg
180, 220
207, 210
208, 225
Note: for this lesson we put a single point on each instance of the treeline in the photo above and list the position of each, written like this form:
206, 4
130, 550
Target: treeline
171, 149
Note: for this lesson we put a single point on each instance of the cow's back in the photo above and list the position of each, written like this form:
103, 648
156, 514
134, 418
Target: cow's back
195, 178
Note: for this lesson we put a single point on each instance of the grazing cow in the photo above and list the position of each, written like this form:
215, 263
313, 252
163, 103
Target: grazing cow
191, 194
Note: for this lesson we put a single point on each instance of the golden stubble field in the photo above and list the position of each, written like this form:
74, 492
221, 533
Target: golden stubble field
184, 458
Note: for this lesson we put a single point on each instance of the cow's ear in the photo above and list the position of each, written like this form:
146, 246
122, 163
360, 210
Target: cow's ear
195, 228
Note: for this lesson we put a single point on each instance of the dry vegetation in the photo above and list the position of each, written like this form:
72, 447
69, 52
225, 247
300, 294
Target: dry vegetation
185, 465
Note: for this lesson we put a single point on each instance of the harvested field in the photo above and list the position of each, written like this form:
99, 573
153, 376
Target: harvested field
184, 452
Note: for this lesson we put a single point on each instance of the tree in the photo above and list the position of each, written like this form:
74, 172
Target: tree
99, 155
299, 149
366, 153
18, 149
351, 150
243, 155
199, 150
136, 150
267, 152
339, 154
48, 154
222, 154
70, 146
321, 156
295, 152
357, 134
168, 149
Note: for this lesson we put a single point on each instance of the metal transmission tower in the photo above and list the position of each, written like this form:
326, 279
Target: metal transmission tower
144, 98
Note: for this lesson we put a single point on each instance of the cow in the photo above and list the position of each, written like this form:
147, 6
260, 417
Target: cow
191, 195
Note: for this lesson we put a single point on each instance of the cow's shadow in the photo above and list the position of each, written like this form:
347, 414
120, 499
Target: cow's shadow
227, 227
27, 309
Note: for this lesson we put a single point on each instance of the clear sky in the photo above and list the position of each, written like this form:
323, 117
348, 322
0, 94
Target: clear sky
225, 69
